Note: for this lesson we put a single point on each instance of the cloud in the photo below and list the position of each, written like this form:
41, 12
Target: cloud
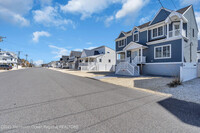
89, 43
38, 62
89, 48
144, 19
87, 7
59, 51
197, 14
130, 7
108, 21
188, 2
45, 2
14, 11
77, 49
38, 34
49, 16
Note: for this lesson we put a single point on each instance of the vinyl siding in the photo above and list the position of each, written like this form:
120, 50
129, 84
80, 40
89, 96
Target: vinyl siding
176, 52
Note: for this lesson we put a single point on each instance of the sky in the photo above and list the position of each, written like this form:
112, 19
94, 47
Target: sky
48, 29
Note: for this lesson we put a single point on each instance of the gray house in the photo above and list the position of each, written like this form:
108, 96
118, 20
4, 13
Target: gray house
73, 61
160, 46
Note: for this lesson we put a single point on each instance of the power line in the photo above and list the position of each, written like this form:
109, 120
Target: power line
190, 44
1, 38
173, 4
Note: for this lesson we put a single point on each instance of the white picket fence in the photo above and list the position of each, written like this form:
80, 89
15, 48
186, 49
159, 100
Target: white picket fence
188, 71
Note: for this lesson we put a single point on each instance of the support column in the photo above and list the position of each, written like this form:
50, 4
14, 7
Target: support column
125, 55
167, 30
141, 54
181, 27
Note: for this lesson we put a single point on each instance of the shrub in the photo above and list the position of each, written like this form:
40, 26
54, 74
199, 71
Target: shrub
175, 83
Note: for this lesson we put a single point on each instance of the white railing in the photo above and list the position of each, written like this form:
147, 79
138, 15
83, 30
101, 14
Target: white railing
130, 68
88, 66
87, 63
120, 60
139, 60
177, 32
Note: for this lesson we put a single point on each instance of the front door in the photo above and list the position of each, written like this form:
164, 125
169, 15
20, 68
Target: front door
134, 54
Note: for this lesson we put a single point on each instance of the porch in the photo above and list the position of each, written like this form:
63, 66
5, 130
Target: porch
132, 53
88, 63
129, 59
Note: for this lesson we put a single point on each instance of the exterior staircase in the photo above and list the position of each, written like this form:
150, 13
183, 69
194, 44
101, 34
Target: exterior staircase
126, 68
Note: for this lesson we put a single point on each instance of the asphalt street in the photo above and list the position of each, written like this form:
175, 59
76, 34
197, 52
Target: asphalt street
42, 100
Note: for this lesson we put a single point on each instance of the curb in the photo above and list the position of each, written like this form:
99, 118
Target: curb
140, 89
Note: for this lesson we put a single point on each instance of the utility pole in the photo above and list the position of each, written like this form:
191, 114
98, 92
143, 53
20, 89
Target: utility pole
18, 57
26, 59
1, 38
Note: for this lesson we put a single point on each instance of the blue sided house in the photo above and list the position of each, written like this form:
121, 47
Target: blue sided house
159, 47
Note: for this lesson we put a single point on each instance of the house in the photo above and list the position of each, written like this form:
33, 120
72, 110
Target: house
160, 46
8, 58
98, 59
64, 61
198, 51
54, 64
73, 61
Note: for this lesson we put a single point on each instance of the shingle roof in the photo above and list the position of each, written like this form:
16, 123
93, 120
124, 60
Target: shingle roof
182, 10
89, 52
75, 53
128, 32
144, 25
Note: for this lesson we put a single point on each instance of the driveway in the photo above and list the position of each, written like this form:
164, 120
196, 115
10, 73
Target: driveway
43, 100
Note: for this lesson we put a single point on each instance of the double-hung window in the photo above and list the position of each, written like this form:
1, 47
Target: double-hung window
121, 43
162, 52
136, 36
176, 29
157, 32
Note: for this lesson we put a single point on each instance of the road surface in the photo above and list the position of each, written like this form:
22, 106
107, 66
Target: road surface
47, 101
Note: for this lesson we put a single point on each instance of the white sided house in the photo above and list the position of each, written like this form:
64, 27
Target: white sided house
8, 58
167, 45
98, 59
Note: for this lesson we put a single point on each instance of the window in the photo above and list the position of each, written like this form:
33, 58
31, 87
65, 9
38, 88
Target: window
154, 32
100, 60
121, 43
136, 36
162, 52
177, 29
109, 61
160, 31
157, 32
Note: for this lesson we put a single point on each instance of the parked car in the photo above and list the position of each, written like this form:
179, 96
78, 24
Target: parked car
5, 67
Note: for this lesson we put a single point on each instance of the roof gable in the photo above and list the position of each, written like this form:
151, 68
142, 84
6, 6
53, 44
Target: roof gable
121, 35
161, 16
182, 10
75, 53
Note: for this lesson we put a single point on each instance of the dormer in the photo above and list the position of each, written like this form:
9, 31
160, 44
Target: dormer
135, 32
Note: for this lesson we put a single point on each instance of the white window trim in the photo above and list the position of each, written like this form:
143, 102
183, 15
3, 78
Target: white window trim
162, 52
122, 45
135, 34
157, 32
